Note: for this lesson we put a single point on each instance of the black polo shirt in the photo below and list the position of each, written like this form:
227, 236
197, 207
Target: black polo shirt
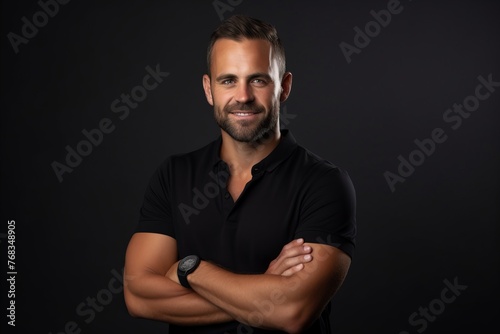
292, 194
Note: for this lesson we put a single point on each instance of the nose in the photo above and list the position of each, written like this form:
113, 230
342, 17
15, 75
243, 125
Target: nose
244, 93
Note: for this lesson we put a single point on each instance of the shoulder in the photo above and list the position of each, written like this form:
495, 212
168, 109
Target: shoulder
320, 180
184, 161
183, 165
317, 168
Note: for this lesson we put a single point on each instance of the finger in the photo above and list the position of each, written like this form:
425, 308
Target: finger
293, 270
293, 243
288, 258
293, 252
290, 263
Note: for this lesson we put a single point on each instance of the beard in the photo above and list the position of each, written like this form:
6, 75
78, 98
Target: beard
247, 131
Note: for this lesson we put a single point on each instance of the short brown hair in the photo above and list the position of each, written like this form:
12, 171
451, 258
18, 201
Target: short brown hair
238, 27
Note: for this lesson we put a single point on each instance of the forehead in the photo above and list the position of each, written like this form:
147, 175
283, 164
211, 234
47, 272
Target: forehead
228, 54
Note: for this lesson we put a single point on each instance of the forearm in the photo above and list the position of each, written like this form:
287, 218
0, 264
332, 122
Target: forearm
156, 297
265, 301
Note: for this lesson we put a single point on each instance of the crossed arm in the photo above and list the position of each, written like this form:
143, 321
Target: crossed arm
289, 296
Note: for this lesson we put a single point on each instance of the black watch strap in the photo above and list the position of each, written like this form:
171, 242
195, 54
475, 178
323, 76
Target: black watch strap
183, 279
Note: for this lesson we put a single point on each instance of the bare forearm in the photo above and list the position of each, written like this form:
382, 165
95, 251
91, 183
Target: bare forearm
151, 283
265, 301
159, 298
288, 303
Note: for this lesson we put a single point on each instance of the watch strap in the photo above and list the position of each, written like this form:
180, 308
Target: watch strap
184, 280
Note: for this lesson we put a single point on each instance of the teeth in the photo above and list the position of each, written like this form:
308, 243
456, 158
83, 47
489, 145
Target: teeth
243, 113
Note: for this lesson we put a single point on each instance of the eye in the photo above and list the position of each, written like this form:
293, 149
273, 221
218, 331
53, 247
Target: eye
259, 82
228, 82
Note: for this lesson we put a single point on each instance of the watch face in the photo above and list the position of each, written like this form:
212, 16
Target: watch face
187, 264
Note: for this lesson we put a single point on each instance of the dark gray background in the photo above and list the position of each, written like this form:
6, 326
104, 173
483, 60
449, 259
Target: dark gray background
440, 224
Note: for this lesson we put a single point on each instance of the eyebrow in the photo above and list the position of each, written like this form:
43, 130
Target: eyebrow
226, 76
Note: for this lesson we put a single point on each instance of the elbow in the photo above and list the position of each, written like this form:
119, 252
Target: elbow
132, 311
132, 304
297, 326
297, 319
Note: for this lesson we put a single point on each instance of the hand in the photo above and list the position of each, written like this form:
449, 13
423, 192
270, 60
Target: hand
291, 259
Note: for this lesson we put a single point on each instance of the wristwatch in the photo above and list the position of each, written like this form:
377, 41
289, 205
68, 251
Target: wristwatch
186, 266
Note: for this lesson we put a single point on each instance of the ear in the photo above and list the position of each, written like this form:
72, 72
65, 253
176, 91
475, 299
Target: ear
208, 89
286, 86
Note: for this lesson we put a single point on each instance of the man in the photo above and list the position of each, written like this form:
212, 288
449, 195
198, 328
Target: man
251, 233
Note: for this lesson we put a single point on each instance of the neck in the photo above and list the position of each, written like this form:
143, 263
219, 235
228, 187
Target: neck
241, 156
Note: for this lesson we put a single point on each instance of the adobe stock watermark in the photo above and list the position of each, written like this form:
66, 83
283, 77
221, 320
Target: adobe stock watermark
30, 28
421, 318
202, 197
222, 7
121, 107
453, 117
91, 306
372, 29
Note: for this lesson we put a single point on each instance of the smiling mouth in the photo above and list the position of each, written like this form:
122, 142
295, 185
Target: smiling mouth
244, 113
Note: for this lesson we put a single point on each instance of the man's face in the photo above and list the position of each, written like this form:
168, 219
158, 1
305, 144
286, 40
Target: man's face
244, 88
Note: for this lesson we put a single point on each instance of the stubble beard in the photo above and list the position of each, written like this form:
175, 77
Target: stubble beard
247, 131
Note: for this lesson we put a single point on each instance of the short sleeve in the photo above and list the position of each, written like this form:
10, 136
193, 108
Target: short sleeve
155, 213
328, 213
